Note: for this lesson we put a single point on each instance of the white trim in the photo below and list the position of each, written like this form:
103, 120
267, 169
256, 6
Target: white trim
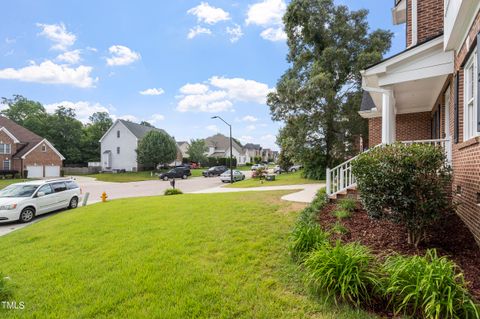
40, 143
415, 23
466, 32
9, 134
467, 120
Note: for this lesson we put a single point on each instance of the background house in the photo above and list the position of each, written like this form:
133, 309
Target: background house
21, 149
183, 148
252, 151
219, 146
118, 145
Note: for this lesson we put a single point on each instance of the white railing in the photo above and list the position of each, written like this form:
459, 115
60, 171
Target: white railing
341, 178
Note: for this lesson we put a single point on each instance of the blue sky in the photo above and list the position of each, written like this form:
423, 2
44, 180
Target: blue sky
173, 63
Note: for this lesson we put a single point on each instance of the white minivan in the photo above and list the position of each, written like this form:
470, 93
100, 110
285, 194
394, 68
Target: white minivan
24, 201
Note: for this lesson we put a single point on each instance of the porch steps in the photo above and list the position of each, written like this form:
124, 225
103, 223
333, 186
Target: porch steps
350, 192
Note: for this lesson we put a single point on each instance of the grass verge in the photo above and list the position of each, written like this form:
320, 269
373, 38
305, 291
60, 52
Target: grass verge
281, 179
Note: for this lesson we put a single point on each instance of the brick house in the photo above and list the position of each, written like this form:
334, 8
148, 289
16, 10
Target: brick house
21, 149
428, 93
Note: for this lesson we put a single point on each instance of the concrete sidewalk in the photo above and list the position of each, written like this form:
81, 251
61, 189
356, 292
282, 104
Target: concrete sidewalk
305, 195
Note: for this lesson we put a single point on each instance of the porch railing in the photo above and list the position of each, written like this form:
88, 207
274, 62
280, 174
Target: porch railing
341, 178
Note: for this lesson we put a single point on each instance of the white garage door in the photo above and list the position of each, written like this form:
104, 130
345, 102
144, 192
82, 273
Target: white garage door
52, 171
35, 171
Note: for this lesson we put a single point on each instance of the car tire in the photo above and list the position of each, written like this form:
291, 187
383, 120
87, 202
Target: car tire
293, 170
27, 215
165, 178
184, 176
73, 203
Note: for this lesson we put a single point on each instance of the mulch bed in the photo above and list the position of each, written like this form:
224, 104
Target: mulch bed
449, 236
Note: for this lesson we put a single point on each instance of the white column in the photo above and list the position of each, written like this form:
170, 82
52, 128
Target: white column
388, 118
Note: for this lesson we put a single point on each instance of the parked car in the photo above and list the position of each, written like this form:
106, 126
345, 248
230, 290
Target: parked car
214, 171
295, 168
24, 201
278, 170
177, 172
237, 176
258, 166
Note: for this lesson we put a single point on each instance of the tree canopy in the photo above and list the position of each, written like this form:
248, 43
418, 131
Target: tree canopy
196, 150
156, 148
319, 95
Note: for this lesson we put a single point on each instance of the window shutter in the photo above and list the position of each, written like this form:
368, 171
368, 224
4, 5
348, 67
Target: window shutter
478, 83
455, 108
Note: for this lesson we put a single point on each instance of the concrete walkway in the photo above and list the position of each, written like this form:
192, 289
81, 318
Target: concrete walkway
305, 195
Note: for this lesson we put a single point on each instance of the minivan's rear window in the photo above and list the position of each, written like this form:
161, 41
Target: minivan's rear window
71, 185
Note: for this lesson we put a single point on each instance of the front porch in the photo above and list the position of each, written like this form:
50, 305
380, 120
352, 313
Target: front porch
406, 99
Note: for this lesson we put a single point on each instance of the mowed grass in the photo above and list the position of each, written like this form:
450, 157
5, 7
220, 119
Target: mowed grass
185, 256
134, 176
280, 179
5, 182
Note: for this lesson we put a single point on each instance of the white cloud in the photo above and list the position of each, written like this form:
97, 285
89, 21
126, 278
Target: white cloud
58, 34
242, 89
155, 118
274, 34
122, 55
235, 33
207, 14
212, 128
82, 109
268, 14
196, 88
246, 139
198, 30
249, 118
153, 91
49, 72
220, 94
127, 117
70, 57
268, 138
250, 128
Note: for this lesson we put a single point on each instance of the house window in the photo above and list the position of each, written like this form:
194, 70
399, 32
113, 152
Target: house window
44, 148
118, 150
470, 97
5, 148
118, 134
6, 165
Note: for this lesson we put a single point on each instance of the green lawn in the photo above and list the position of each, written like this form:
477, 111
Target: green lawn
281, 179
186, 256
133, 176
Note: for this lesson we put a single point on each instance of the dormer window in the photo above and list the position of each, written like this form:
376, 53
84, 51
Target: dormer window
44, 148
118, 134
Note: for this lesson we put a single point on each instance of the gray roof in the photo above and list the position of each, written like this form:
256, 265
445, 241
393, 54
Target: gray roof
251, 146
221, 142
140, 130
180, 143
367, 102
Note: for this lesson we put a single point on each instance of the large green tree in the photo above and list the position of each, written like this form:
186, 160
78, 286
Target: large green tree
318, 95
99, 124
196, 151
156, 148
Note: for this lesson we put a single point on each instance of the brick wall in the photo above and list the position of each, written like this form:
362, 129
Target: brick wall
466, 154
5, 139
429, 20
412, 126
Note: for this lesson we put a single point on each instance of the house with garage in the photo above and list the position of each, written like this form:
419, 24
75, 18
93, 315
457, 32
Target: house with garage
219, 146
26, 152
119, 144
429, 93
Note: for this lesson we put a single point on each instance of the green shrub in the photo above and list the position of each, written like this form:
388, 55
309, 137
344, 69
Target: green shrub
406, 184
310, 213
344, 272
348, 204
305, 238
341, 214
172, 191
428, 285
339, 229
5, 291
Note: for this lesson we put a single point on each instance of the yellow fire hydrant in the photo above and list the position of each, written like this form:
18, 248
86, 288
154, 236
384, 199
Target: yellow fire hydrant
104, 197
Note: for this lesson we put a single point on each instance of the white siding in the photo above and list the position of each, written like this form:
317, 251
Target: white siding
127, 159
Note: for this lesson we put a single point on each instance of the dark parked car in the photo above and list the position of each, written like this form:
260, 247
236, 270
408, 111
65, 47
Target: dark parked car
177, 172
214, 171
